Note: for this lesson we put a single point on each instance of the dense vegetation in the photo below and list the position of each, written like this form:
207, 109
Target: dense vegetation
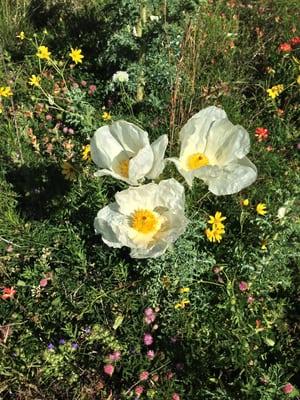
81, 320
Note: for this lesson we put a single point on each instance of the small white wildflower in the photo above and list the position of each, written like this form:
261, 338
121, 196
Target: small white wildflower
154, 18
120, 76
281, 212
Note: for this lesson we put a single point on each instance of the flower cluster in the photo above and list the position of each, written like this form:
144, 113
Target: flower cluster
275, 91
5, 91
262, 134
214, 234
148, 218
287, 47
8, 293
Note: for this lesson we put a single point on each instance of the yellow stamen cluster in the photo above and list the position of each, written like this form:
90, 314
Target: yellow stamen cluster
217, 230
123, 168
275, 91
144, 221
197, 160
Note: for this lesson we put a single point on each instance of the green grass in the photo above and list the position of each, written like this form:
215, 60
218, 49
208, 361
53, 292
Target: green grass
222, 345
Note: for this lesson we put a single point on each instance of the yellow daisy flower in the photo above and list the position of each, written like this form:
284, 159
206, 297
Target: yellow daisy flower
106, 116
245, 202
217, 219
275, 91
86, 153
215, 234
34, 80
5, 91
43, 53
76, 55
261, 209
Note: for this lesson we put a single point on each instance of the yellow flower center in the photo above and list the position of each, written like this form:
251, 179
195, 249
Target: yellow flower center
144, 221
197, 160
123, 168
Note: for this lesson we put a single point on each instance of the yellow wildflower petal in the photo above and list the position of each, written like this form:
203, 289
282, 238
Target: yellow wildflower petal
184, 290
261, 209
43, 53
34, 80
76, 55
106, 116
86, 153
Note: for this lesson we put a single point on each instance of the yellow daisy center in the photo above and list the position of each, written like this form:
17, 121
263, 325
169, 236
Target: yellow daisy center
123, 168
144, 221
197, 160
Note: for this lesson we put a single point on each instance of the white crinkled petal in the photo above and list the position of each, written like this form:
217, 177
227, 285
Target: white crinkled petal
135, 198
113, 226
158, 147
226, 142
104, 147
171, 195
103, 225
130, 136
152, 252
103, 172
230, 178
141, 164
175, 227
194, 133
188, 175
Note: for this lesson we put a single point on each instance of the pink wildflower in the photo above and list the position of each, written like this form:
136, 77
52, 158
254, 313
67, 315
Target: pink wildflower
43, 282
148, 339
144, 376
109, 369
149, 315
92, 89
138, 390
175, 396
250, 299
288, 388
150, 354
243, 286
115, 356
8, 293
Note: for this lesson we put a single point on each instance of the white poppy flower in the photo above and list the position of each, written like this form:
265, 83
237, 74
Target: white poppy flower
123, 151
214, 150
120, 76
147, 218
